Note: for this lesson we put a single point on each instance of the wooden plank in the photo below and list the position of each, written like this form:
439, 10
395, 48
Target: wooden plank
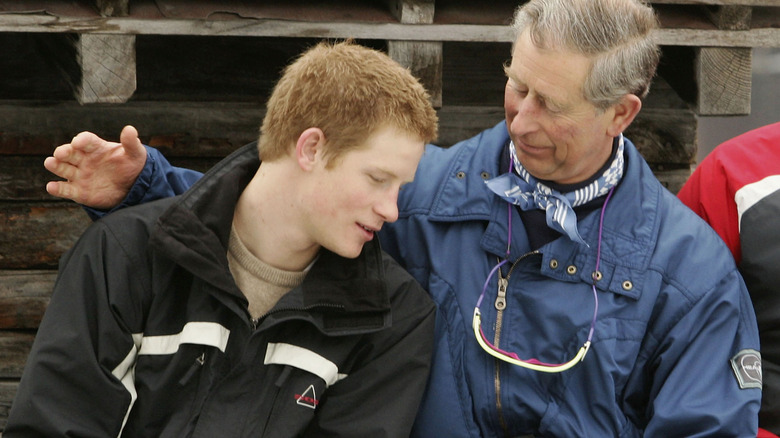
763, 37
204, 129
718, 2
665, 137
7, 394
713, 80
424, 60
457, 123
730, 17
412, 11
14, 349
723, 76
24, 295
35, 235
107, 68
192, 129
99, 68
23, 178
113, 8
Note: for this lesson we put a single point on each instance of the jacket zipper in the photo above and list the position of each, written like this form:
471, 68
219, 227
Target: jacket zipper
199, 361
503, 285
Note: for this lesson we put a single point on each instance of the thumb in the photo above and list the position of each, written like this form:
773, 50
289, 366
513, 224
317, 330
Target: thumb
131, 143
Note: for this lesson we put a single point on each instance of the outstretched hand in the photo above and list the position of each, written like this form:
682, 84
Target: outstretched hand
98, 173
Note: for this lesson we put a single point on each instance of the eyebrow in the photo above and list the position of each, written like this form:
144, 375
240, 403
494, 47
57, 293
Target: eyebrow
549, 101
385, 173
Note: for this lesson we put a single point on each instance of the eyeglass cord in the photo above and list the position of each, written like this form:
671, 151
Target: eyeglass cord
535, 364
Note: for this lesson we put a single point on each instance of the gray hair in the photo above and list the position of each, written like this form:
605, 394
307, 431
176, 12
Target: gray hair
615, 34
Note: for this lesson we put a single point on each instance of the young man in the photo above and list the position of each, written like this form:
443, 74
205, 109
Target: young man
576, 296
259, 302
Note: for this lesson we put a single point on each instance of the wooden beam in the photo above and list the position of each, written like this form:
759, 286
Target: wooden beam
107, 68
718, 2
204, 129
7, 394
412, 11
14, 349
422, 58
760, 37
730, 17
35, 235
724, 78
23, 178
665, 137
724, 75
113, 8
180, 128
24, 295
715, 81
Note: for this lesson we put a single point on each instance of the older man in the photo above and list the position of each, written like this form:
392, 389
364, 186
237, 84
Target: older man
576, 296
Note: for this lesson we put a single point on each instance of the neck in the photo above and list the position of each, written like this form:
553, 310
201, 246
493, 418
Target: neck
268, 220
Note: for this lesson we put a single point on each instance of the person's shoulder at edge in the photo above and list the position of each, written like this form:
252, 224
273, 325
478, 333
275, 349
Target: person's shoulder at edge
134, 222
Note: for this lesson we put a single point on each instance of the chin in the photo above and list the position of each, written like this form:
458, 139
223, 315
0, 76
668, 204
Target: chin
349, 253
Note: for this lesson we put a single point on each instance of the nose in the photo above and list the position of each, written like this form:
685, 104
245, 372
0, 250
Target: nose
522, 115
387, 207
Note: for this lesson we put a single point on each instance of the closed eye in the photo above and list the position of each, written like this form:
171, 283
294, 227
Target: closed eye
377, 179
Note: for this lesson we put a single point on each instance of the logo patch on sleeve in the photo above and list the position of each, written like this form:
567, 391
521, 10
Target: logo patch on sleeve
747, 367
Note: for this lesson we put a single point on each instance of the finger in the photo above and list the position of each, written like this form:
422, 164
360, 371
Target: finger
69, 155
62, 189
63, 152
60, 168
130, 141
86, 142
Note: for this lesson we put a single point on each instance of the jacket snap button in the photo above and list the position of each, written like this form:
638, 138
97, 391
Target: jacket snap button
627, 285
597, 276
571, 270
485, 175
554, 264
461, 174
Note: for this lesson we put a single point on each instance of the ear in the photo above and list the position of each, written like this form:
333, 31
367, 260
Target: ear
623, 113
309, 147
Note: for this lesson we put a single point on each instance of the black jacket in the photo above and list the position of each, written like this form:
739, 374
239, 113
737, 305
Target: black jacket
147, 334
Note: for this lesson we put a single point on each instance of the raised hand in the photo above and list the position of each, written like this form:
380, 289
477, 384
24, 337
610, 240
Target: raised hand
98, 173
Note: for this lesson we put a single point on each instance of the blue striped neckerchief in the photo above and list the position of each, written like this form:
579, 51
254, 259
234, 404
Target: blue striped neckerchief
525, 191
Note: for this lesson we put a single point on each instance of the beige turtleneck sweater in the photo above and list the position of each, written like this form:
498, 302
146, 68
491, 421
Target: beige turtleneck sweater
262, 284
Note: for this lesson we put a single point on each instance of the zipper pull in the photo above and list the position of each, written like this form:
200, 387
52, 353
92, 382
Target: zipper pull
199, 361
501, 298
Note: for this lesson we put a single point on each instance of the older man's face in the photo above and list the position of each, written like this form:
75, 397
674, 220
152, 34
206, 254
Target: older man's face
558, 135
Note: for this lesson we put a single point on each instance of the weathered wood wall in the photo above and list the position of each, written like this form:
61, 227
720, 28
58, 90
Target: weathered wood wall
193, 78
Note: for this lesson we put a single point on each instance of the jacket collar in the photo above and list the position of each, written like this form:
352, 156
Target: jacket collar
631, 219
194, 233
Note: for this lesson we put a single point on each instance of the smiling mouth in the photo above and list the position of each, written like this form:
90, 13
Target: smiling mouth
369, 229
530, 149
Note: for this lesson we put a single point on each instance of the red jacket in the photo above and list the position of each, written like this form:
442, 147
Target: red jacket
736, 188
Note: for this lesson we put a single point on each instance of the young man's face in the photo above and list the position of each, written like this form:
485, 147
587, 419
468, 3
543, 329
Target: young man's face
558, 135
356, 196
